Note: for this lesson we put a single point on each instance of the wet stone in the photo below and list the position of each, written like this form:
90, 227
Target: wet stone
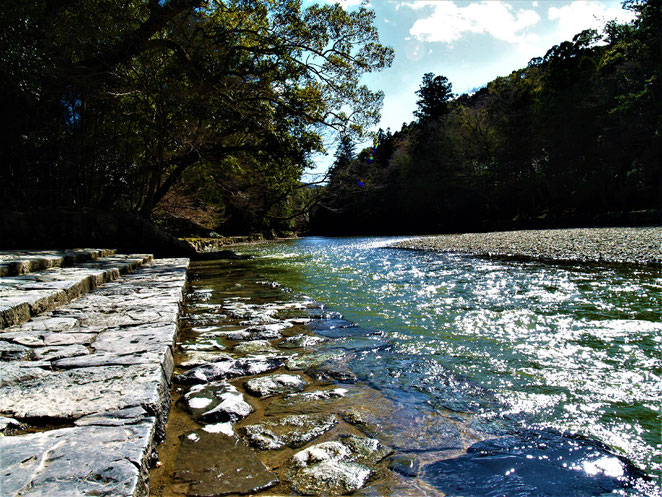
266, 386
233, 469
229, 368
316, 401
263, 332
331, 468
311, 360
203, 346
255, 347
199, 358
216, 401
406, 465
291, 431
332, 372
301, 342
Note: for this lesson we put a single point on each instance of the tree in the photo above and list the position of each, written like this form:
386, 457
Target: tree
434, 94
113, 112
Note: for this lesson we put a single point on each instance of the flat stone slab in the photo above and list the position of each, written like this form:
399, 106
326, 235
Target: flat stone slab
27, 295
15, 262
80, 461
289, 431
218, 464
71, 394
104, 363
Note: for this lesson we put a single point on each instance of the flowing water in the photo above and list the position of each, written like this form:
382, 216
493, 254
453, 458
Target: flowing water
557, 365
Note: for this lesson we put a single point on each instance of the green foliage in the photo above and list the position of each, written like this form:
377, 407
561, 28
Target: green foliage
576, 134
110, 104
434, 95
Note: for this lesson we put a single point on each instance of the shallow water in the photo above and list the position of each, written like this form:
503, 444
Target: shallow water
518, 345
481, 377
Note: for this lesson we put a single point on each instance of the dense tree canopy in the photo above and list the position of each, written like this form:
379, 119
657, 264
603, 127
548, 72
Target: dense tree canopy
575, 135
112, 103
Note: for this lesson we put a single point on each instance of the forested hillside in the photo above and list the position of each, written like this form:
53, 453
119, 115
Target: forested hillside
571, 137
217, 104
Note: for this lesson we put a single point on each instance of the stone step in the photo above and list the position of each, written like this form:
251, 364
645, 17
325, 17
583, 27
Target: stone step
101, 364
28, 295
15, 262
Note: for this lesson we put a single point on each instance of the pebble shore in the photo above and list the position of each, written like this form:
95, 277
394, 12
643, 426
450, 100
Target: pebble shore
639, 246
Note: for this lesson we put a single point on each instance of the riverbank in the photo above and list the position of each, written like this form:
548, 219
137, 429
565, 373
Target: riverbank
639, 246
86, 354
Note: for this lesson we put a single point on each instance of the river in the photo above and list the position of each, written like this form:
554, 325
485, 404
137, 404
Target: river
512, 348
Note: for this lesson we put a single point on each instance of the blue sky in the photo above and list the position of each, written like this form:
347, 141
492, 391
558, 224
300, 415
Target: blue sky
469, 42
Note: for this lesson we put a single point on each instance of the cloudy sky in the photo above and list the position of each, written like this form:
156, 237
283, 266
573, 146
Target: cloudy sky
469, 42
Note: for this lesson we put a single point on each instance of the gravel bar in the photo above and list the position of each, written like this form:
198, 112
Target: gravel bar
640, 246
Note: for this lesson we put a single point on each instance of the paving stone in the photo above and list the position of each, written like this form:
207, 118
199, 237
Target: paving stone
140, 338
69, 338
14, 351
31, 294
106, 461
71, 394
14, 372
58, 352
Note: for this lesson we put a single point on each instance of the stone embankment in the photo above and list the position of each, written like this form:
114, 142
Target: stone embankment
640, 246
86, 357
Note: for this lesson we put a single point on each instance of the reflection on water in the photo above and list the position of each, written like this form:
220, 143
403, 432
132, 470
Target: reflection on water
513, 345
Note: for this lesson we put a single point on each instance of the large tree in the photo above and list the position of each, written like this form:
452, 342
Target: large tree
111, 102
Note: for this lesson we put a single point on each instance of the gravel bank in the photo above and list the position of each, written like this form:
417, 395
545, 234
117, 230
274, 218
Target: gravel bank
641, 246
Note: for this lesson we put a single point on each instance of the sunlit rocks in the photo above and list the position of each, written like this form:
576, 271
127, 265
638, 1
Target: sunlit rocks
310, 360
292, 431
255, 347
228, 368
335, 468
220, 464
216, 401
301, 342
266, 386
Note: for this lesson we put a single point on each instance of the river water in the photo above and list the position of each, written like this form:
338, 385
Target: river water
519, 345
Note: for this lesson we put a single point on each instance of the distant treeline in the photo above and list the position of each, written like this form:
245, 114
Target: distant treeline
574, 135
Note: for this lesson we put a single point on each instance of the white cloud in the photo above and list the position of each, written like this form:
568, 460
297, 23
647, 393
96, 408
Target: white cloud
447, 22
580, 15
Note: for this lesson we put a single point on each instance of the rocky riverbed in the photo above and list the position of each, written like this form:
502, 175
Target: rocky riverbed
274, 394
262, 404
641, 246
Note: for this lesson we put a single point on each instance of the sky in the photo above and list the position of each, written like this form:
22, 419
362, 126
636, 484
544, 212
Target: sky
469, 42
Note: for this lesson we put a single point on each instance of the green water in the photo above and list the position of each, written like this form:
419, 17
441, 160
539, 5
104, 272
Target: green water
517, 344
